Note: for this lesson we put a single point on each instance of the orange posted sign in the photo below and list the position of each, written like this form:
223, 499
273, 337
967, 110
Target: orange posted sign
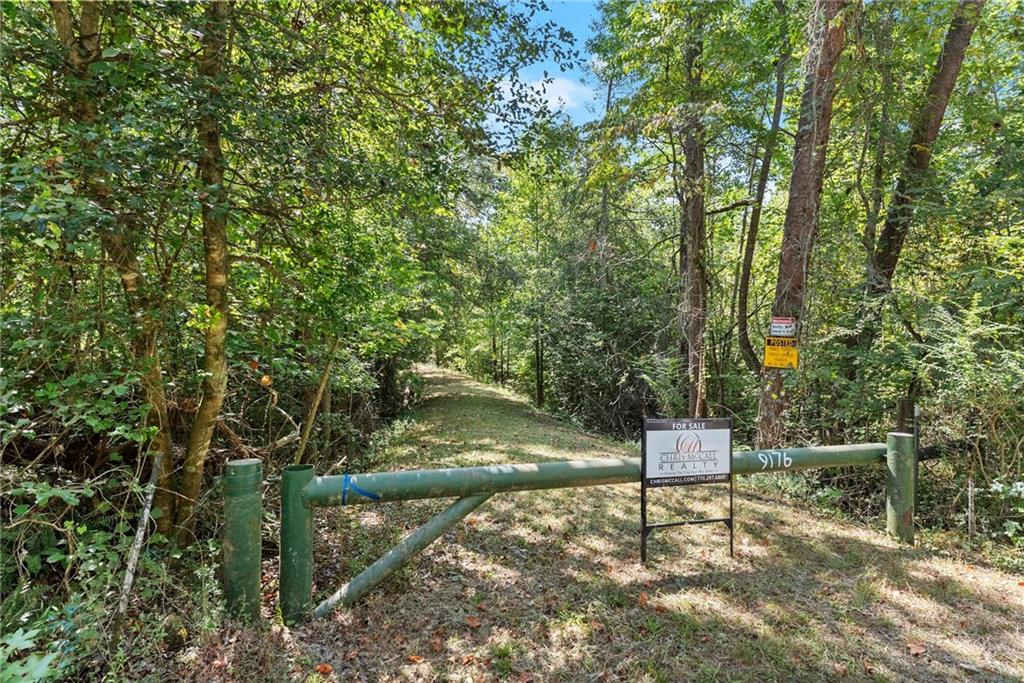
781, 352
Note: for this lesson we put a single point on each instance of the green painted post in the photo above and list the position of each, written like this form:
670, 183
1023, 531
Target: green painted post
296, 578
899, 486
241, 546
407, 548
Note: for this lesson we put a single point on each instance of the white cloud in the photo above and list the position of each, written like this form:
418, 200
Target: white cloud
562, 93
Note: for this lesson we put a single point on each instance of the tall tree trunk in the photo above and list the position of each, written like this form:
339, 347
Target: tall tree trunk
81, 51
538, 357
742, 318
215, 247
919, 152
604, 219
800, 227
494, 354
694, 319
881, 126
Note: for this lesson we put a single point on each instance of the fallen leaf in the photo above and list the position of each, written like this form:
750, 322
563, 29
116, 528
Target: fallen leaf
351, 655
435, 645
840, 668
525, 677
597, 625
1020, 583
469, 659
415, 659
266, 381
705, 638
324, 669
915, 649
643, 599
254, 364
473, 622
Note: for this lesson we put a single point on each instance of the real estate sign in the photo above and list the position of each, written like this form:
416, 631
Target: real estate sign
683, 452
687, 451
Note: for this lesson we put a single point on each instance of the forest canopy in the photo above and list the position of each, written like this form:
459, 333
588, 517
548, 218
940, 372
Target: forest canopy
231, 228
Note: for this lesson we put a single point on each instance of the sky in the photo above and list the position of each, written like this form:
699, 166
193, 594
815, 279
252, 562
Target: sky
569, 91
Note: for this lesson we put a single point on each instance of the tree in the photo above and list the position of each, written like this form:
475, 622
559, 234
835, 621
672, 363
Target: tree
764, 174
120, 230
885, 252
690, 191
211, 165
826, 33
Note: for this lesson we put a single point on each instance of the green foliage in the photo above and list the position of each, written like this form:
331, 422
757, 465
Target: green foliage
349, 131
391, 183
32, 667
580, 254
1010, 499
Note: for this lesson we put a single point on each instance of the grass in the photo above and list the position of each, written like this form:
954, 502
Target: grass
547, 585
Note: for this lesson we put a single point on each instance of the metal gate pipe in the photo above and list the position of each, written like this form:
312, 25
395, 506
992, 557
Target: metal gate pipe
241, 549
296, 577
462, 481
899, 486
408, 547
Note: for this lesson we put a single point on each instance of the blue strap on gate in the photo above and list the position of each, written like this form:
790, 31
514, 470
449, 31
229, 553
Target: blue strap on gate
347, 483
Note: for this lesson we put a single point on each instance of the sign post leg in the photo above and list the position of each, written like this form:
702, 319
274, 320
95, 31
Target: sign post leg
643, 524
732, 520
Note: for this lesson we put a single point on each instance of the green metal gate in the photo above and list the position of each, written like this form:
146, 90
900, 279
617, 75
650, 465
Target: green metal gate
302, 492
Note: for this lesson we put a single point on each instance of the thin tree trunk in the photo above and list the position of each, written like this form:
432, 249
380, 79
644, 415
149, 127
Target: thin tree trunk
603, 222
800, 227
133, 555
80, 52
215, 246
919, 152
538, 354
328, 412
314, 404
742, 319
694, 318
873, 203
494, 354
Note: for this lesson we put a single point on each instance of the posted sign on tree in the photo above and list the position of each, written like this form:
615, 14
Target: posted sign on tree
684, 452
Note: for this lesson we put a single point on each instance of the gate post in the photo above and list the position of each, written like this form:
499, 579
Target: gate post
241, 545
899, 486
295, 590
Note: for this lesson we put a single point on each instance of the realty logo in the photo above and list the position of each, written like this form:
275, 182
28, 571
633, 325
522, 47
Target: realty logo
688, 442
689, 456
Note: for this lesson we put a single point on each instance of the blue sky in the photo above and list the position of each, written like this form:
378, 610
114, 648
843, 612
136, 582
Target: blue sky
570, 90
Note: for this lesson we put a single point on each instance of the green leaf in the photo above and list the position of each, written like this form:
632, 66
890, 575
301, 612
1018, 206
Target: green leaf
21, 639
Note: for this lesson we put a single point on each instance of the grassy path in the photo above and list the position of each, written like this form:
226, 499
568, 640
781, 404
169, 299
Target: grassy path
547, 585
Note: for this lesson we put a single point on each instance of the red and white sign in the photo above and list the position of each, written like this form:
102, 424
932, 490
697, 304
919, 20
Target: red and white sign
783, 327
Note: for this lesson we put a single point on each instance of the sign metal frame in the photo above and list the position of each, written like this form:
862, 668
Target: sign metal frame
713, 423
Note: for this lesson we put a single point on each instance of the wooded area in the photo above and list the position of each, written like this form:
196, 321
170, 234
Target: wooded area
231, 228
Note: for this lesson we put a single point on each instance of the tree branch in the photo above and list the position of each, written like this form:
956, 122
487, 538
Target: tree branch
749, 201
